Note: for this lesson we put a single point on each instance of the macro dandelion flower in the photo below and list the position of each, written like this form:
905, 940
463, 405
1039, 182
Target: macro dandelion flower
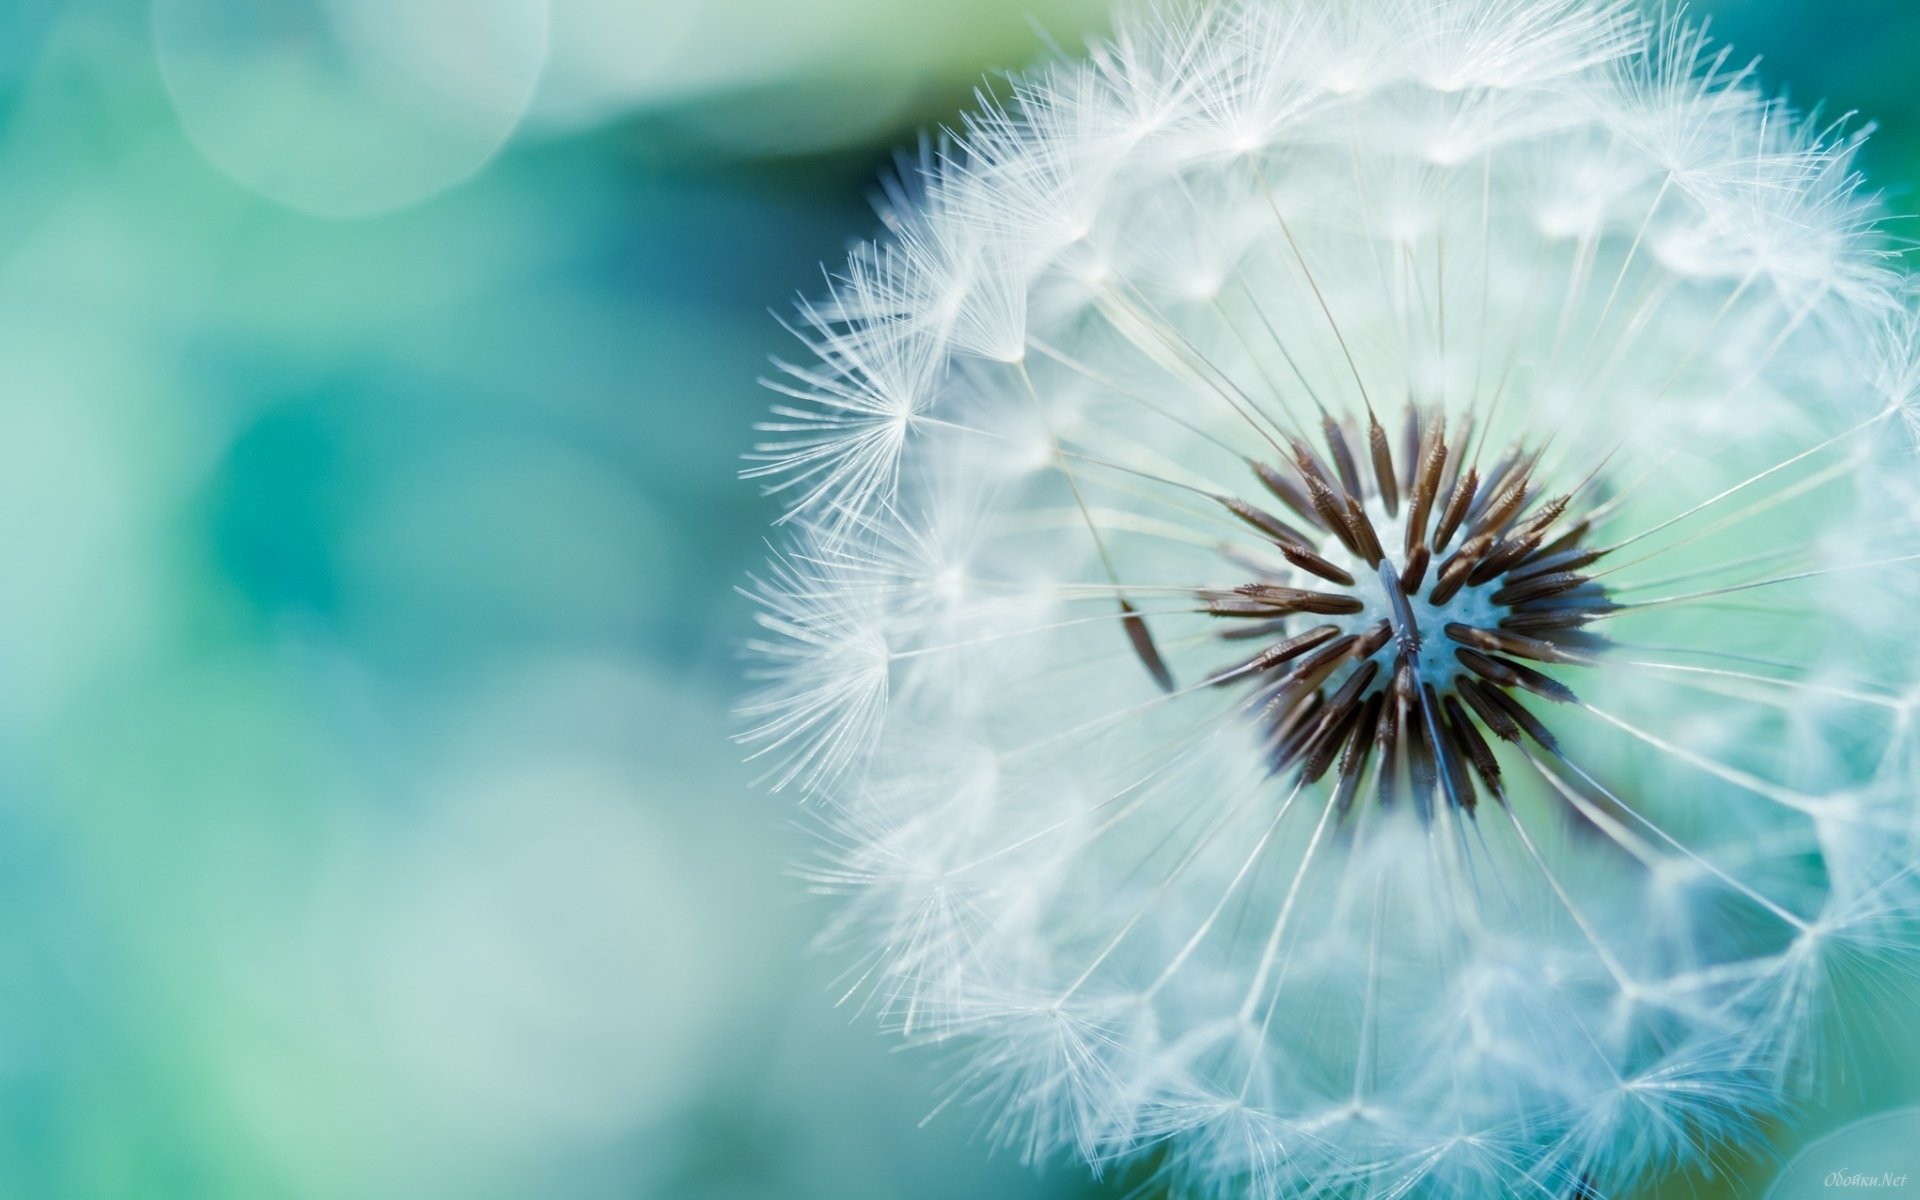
1347, 601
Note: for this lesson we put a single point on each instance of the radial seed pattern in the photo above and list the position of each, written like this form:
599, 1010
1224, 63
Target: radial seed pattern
1431, 658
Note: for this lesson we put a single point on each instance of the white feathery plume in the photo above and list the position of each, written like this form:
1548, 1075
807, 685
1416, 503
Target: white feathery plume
1346, 611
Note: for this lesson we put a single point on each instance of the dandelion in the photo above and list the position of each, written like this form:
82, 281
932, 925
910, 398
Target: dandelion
1347, 600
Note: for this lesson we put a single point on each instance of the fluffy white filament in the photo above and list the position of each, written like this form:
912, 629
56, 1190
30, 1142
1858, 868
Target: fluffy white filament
1142, 270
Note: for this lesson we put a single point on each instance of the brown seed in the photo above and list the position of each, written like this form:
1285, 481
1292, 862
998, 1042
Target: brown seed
1504, 556
1416, 569
1539, 587
1481, 755
1459, 565
1411, 437
1353, 763
1503, 504
1394, 711
1318, 665
1426, 484
1542, 521
1508, 673
1285, 490
1567, 558
1514, 467
1295, 646
1422, 767
1546, 620
1497, 719
1383, 477
1369, 540
1462, 435
1295, 721
1303, 683
1505, 642
1516, 713
1332, 512
1264, 521
1240, 606
1334, 722
1301, 600
1373, 640
1456, 510
1342, 452
1312, 563
1449, 755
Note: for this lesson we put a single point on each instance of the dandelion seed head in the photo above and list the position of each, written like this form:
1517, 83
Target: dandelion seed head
1346, 605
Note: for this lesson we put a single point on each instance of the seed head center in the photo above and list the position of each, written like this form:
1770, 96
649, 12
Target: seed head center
1417, 604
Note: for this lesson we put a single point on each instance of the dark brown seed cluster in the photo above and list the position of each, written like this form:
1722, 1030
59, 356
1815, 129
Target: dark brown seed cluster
1478, 562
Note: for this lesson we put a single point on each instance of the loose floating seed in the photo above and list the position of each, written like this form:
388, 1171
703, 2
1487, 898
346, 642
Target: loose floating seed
1149, 654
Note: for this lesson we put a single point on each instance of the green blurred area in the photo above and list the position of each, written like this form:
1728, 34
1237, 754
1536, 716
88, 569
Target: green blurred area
376, 375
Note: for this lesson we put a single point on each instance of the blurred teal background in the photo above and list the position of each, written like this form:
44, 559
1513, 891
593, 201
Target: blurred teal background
375, 374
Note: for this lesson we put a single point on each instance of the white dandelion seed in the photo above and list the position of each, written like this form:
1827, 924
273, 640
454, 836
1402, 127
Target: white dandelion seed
1350, 613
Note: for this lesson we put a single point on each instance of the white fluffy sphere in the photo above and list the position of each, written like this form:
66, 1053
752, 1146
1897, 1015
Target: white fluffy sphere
1347, 599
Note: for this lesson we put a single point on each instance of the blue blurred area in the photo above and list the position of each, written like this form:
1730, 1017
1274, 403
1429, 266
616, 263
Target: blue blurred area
368, 821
